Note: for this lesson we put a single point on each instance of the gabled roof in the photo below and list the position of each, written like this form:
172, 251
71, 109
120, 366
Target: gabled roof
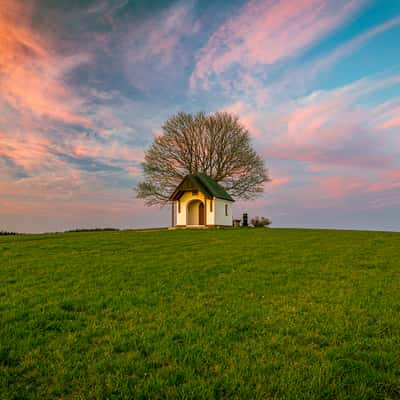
203, 183
214, 187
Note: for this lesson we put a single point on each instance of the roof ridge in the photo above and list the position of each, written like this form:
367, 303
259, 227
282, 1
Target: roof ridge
206, 184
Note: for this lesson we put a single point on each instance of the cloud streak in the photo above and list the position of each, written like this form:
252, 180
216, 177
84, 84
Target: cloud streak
332, 127
332, 146
265, 32
154, 50
31, 74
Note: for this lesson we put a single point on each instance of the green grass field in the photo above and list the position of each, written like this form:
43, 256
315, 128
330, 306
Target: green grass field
246, 313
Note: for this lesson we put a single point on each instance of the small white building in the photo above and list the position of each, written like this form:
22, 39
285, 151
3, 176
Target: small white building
199, 201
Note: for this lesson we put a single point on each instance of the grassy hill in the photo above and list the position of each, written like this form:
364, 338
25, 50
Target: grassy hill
247, 313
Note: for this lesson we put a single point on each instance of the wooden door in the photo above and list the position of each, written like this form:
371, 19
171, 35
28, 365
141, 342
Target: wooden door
201, 214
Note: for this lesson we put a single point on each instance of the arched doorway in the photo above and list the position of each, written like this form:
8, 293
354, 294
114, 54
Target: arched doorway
195, 213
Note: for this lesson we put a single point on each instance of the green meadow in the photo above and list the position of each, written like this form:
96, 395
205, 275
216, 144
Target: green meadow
200, 314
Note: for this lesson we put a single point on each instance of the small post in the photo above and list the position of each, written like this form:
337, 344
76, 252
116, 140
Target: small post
172, 214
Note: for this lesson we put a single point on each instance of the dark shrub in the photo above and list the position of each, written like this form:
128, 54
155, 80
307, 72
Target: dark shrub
262, 222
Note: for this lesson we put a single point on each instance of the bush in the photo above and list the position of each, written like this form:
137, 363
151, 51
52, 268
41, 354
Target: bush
7, 233
262, 222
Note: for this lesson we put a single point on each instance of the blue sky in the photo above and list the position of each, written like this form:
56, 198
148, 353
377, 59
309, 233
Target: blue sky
86, 85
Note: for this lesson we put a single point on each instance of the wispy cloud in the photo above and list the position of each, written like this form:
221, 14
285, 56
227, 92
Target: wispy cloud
155, 50
265, 32
347, 48
332, 145
32, 73
57, 142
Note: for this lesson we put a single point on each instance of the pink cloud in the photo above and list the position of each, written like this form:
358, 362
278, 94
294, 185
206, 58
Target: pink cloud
177, 23
43, 158
389, 180
157, 43
278, 182
344, 186
33, 154
331, 145
113, 150
265, 32
340, 142
389, 117
335, 190
246, 116
394, 122
338, 187
332, 128
386, 116
32, 75
68, 199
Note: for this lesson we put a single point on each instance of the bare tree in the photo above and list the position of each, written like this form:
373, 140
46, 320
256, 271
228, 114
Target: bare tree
216, 144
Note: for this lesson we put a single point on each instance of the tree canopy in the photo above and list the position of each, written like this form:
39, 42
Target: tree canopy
215, 144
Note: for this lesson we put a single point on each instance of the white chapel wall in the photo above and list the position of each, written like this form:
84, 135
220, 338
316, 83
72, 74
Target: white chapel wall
220, 217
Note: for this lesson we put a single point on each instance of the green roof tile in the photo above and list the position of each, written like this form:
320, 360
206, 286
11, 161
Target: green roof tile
214, 188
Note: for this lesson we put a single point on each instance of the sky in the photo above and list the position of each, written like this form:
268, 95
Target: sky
85, 86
